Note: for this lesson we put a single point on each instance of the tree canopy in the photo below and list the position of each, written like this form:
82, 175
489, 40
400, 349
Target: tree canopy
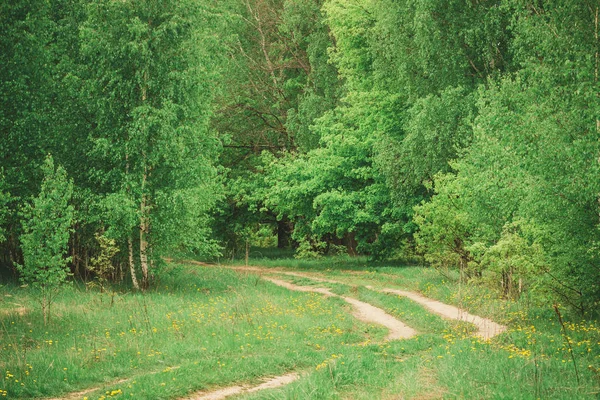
464, 133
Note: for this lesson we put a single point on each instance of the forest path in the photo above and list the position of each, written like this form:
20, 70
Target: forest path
81, 394
486, 328
362, 311
223, 393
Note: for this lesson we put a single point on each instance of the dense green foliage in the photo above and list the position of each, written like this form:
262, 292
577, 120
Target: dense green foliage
455, 133
523, 199
466, 133
45, 238
120, 93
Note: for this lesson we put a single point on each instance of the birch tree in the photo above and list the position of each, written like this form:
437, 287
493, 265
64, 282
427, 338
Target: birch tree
150, 75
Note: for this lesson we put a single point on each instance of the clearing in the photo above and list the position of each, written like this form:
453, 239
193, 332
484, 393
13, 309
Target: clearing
314, 332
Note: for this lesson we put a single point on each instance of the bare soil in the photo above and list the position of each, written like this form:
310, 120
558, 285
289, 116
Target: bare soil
486, 328
240, 389
362, 311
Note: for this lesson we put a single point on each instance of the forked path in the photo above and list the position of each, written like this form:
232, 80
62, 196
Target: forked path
362, 311
223, 393
486, 328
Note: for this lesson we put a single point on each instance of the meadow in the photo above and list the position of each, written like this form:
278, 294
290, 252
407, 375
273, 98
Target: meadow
205, 327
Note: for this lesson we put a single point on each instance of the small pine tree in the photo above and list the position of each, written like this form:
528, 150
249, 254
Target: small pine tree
46, 229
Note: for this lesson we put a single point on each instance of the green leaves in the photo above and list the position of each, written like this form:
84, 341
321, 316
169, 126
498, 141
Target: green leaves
357, 123
47, 225
533, 158
147, 67
335, 191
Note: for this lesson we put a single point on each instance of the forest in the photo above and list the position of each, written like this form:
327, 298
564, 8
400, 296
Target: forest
462, 135
299, 199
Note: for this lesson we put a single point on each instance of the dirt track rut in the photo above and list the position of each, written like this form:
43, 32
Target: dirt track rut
486, 328
362, 311
235, 390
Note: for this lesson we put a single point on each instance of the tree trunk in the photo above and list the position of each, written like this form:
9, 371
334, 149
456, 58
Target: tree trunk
74, 256
144, 222
283, 234
86, 263
134, 280
45, 312
143, 255
144, 243
351, 244
247, 251
144, 219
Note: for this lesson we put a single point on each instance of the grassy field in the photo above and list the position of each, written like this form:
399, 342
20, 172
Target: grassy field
207, 327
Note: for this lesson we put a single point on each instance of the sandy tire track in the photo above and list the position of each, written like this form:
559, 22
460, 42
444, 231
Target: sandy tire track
362, 311
223, 393
486, 328
81, 394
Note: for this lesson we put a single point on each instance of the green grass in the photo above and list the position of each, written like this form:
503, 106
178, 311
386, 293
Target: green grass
273, 257
214, 325
531, 360
207, 327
